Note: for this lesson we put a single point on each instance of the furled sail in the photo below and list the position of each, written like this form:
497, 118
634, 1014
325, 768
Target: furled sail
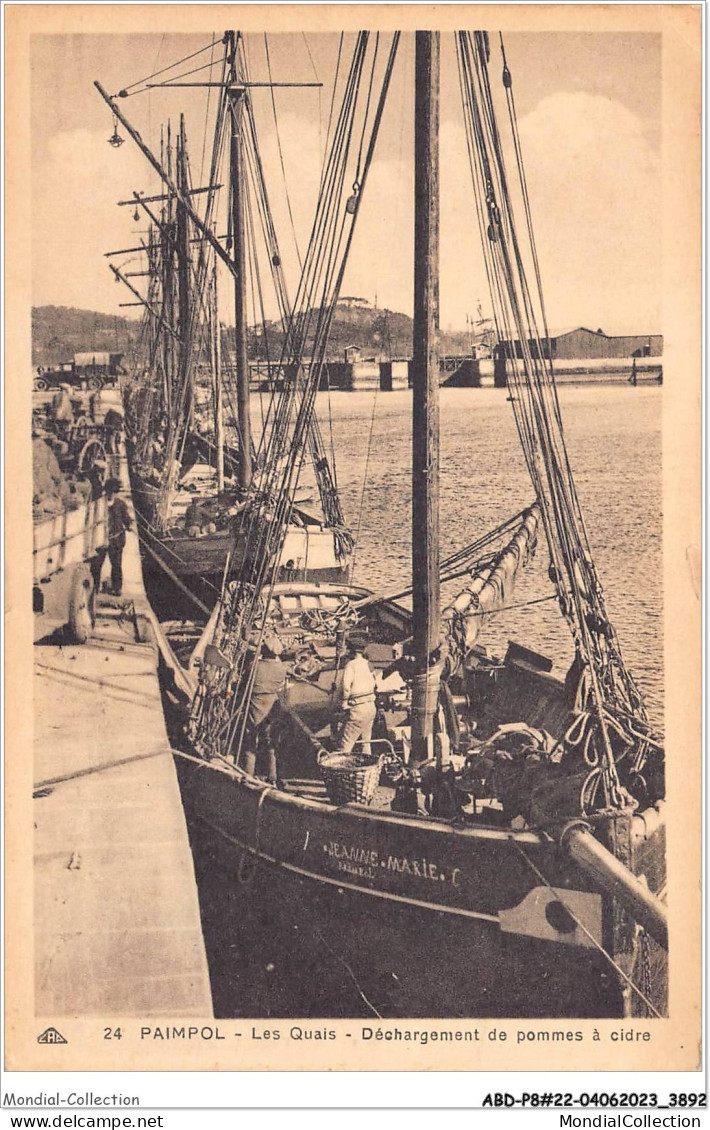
491, 587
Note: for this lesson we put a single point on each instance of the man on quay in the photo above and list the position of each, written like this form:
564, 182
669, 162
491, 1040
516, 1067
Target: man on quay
119, 521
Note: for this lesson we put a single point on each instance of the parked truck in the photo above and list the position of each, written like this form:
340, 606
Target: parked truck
94, 370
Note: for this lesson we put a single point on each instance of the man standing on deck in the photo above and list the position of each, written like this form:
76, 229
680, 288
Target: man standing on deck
269, 681
356, 695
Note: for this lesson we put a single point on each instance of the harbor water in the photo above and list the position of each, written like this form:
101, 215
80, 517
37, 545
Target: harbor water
613, 434
268, 956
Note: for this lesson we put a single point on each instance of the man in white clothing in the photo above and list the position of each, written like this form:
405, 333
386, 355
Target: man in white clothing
355, 694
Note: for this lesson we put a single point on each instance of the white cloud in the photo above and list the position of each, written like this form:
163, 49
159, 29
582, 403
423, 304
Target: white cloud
595, 189
381, 257
594, 185
463, 279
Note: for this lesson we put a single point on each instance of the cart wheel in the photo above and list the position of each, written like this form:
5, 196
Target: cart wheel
81, 604
40, 385
80, 430
93, 453
95, 383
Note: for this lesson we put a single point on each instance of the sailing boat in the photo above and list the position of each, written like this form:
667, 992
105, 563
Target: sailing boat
185, 506
499, 848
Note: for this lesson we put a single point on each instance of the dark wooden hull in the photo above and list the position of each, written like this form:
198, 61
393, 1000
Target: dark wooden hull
430, 918
192, 557
206, 556
203, 558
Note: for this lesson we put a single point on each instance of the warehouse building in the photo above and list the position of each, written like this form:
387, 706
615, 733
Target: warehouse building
584, 343
581, 350
581, 343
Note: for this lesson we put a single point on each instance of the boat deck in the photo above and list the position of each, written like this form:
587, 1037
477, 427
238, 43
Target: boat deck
310, 619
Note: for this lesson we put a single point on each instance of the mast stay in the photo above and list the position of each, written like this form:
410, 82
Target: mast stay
607, 692
219, 710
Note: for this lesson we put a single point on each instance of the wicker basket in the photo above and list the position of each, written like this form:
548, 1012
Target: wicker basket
350, 779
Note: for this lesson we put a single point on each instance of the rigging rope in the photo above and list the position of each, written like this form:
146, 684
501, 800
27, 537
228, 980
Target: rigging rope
461, 562
326, 480
139, 82
218, 719
281, 156
518, 312
364, 487
207, 115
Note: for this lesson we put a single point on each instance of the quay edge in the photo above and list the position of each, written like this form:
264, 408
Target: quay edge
117, 923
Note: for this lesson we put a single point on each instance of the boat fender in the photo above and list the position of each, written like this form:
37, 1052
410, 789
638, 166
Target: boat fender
246, 869
145, 631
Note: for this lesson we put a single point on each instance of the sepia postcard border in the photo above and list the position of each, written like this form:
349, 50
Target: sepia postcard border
675, 1043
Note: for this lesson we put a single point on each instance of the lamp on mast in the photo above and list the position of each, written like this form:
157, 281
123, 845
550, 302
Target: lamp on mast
115, 139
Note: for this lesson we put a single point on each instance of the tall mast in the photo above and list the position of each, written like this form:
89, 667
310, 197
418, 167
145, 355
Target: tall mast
217, 379
183, 260
425, 409
168, 237
236, 161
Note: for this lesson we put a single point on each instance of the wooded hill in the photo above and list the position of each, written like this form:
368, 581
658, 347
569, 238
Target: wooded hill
58, 332
379, 334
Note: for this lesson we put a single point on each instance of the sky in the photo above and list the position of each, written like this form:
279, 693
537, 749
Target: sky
589, 111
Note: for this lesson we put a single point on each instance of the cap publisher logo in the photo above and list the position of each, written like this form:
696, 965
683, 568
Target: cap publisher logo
51, 1036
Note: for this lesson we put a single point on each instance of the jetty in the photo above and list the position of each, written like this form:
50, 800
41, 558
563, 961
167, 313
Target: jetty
117, 923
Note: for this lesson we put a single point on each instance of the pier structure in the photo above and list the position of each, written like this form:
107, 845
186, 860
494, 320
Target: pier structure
117, 924
362, 375
466, 371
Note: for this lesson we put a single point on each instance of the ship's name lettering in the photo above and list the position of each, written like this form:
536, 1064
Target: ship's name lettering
367, 863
